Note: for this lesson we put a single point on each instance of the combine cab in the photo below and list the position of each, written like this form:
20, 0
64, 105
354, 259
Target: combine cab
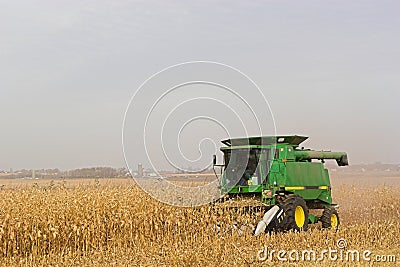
288, 180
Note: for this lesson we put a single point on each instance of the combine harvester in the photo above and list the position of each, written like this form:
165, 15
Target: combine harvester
287, 180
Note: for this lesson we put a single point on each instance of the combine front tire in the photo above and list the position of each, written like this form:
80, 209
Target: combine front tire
296, 213
330, 219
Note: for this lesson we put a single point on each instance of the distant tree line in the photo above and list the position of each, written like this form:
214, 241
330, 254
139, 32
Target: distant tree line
94, 172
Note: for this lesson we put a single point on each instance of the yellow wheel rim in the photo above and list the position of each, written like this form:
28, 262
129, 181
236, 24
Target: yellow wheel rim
299, 216
334, 221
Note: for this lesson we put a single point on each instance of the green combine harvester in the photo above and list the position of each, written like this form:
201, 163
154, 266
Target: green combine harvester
288, 180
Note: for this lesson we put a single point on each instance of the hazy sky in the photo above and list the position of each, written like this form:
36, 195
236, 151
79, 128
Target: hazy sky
329, 69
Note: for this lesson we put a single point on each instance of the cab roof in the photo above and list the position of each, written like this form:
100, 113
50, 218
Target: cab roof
294, 140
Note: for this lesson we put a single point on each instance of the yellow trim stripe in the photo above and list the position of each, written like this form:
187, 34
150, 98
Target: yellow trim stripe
294, 188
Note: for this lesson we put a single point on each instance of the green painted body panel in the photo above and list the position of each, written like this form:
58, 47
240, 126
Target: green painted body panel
246, 189
306, 174
313, 218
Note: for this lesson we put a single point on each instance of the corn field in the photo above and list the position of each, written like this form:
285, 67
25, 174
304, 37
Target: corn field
104, 223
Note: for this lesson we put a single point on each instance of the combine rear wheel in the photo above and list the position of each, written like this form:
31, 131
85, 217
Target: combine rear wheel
296, 213
330, 219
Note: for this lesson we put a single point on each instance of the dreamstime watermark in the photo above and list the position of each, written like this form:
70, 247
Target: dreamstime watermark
340, 253
175, 121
